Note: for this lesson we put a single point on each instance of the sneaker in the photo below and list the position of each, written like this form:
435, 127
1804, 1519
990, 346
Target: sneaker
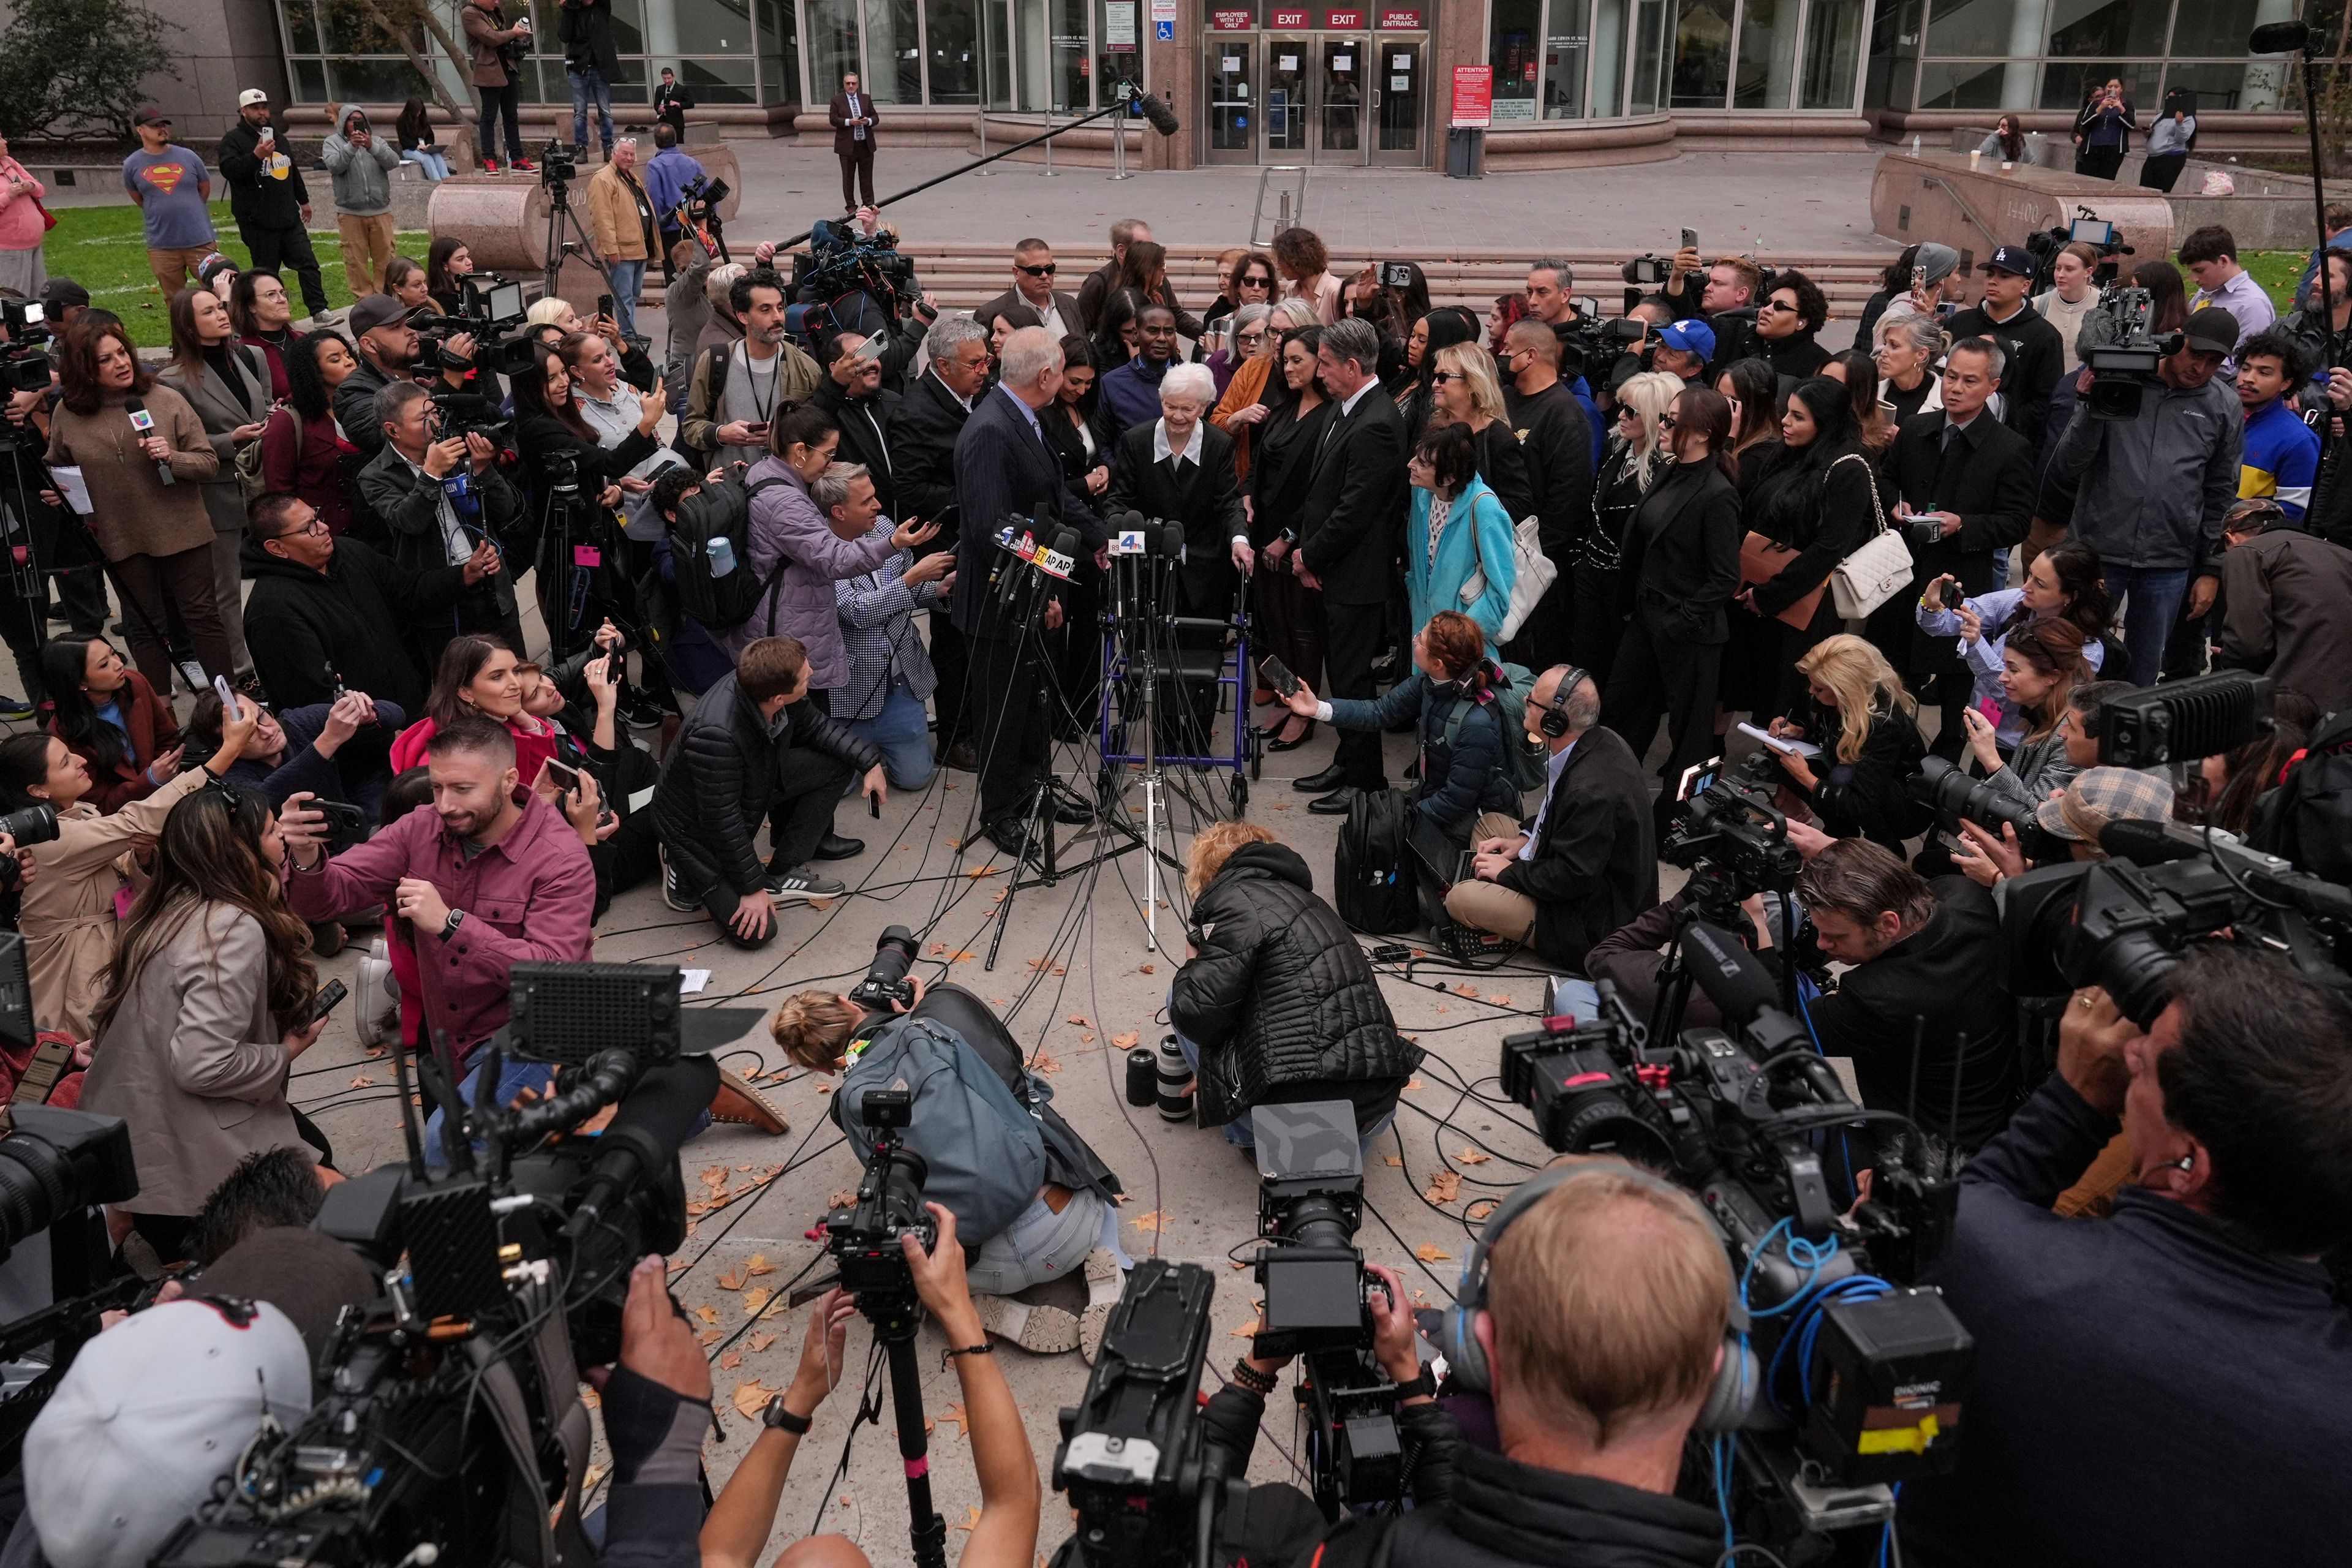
1106, 1281
522, 167
1046, 1331
490, 165
802, 882
674, 890
642, 714
16, 708
194, 673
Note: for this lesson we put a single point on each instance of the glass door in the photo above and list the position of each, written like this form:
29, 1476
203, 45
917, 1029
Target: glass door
1233, 108
1399, 100
1284, 115
1344, 63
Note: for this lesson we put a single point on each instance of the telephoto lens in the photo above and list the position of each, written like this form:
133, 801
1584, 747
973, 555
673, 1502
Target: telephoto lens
1142, 1076
1175, 1075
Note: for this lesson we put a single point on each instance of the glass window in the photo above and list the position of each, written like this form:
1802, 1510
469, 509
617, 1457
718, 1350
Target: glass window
1894, 54
894, 55
2066, 84
996, 65
1609, 17
1511, 50
951, 41
310, 81
1649, 57
1702, 67
1566, 46
1833, 42
1286, 67
693, 28
1397, 89
1971, 85
1117, 36
832, 46
629, 27
376, 81
713, 81
2110, 27
1767, 54
2216, 27
1966, 28
1233, 109
780, 52
1073, 82
301, 27
2247, 84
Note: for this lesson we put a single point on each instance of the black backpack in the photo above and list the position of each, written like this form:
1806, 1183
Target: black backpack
715, 602
2308, 818
1373, 878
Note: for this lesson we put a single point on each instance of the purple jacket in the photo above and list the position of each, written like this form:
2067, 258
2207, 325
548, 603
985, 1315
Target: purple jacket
786, 523
529, 896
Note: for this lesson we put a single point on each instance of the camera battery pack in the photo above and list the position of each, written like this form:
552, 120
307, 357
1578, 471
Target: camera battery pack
1888, 1375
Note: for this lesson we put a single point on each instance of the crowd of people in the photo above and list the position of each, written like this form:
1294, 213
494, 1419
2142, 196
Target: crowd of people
784, 608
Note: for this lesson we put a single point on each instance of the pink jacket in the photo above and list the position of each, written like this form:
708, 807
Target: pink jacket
531, 896
21, 228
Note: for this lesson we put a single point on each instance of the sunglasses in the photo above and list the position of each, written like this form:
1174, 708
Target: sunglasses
1667, 422
1044, 271
1779, 305
1439, 378
1254, 282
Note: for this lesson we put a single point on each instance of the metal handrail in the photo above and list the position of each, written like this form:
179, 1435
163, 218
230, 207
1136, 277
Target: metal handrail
1967, 211
1285, 216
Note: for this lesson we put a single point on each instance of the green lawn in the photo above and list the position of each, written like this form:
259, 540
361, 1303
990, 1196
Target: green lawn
105, 250
2278, 271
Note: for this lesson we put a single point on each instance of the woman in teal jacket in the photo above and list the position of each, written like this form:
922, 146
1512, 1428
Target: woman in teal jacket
1457, 536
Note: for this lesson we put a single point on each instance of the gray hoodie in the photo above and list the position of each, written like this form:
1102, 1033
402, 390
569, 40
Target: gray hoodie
363, 183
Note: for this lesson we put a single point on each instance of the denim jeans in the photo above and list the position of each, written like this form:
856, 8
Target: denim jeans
2152, 600
589, 85
1038, 1245
514, 1076
903, 733
628, 281
435, 163
1237, 1130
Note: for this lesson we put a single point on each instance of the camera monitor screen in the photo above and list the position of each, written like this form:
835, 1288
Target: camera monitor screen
2091, 231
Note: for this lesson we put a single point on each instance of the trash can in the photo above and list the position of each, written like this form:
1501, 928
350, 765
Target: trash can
1466, 153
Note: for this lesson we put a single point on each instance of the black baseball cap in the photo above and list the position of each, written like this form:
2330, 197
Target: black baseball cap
2212, 331
151, 115
59, 293
2013, 259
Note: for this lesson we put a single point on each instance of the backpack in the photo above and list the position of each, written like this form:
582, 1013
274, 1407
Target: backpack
251, 484
1525, 765
985, 1150
1374, 884
2308, 818
720, 601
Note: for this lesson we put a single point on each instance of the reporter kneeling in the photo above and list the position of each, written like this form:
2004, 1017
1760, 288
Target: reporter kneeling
2192, 1342
207, 1003
1276, 1002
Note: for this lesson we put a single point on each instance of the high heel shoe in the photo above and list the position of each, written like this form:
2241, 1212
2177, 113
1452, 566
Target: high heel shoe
1304, 736
1261, 695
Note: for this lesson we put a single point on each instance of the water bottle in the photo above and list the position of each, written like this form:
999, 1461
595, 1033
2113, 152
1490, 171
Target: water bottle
720, 551
1915, 143
1175, 1072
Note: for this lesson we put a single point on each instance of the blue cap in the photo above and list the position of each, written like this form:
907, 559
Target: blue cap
1692, 337
2012, 258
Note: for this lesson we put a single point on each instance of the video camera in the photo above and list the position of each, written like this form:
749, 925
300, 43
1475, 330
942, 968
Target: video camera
1148, 1488
841, 263
2124, 367
1591, 345
1311, 1199
863, 1236
1733, 840
555, 164
450, 1416
24, 364
488, 306
1852, 1382
2086, 228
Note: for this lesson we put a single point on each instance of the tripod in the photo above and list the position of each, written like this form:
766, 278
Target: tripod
559, 217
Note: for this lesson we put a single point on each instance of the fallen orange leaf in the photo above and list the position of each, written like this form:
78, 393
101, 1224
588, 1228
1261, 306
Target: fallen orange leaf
1430, 1252
1151, 1220
762, 1342
1474, 1156
708, 1313
363, 1081
752, 1397
754, 1298
1128, 1041
1444, 1187
730, 1361
955, 1412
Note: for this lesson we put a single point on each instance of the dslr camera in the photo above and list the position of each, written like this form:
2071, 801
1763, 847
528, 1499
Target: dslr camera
885, 987
1955, 797
863, 1235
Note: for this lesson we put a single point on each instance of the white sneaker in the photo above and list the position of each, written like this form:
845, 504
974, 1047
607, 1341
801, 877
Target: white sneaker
802, 882
194, 673
1046, 1331
1106, 1282
674, 890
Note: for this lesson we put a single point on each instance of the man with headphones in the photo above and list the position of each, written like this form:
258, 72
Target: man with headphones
1586, 862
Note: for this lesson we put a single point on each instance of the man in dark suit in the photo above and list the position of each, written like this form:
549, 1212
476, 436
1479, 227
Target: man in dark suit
865, 410
1096, 289
923, 435
1587, 862
1972, 476
1351, 532
1032, 300
1556, 440
2033, 353
853, 118
1005, 470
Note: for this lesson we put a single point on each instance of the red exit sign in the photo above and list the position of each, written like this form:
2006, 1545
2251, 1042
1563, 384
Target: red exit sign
1288, 19
1344, 21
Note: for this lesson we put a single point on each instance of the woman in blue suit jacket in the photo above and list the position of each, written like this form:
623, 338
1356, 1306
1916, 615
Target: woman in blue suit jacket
1455, 534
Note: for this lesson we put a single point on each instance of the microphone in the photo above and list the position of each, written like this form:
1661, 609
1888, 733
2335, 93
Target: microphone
2274, 38
1171, 541
1741, 989
2147, 844
646, 1134
144, 423
1163, 118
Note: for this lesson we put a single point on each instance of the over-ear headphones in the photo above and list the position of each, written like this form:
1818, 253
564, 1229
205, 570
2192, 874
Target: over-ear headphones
1737, 1377
1554, 721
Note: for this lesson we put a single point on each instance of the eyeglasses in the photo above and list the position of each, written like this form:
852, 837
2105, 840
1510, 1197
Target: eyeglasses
1250, 335
1044, 271
316, 525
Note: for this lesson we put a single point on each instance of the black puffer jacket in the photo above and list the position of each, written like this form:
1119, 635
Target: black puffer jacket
1279, 993
720, 775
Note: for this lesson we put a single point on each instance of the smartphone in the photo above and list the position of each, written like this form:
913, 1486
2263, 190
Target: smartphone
604, 307
227, 695
331, 993
566, 777
1690, 240
873, 808
1918, 279
759, 431
1698, 777
347, 821
1278, 675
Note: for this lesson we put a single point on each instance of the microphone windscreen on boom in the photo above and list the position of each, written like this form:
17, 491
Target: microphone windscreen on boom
2275, 38
2145, 844
1163, 118
1728, 972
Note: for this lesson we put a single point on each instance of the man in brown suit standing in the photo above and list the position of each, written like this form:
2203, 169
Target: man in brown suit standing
853, 117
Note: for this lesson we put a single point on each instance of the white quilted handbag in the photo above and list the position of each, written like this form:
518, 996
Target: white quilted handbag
1880, 568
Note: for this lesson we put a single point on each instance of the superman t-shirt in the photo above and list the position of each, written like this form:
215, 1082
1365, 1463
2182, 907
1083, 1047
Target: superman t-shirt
176, 216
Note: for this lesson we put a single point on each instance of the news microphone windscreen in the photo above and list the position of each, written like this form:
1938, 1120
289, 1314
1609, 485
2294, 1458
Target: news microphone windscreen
134, 403
1172, 542
2145, 844
2273, 39
1068, 543
1163, 118
668, 1100
1728, 972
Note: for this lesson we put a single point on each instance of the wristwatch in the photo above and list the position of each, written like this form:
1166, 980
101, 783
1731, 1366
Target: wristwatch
450, 926
1423, 1385
777, 1418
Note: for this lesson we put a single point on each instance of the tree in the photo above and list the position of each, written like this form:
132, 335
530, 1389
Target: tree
397, 22
79, 66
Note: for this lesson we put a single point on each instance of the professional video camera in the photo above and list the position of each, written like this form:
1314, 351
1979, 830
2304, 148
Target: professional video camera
490, 307
2123, 924
862, 280
1311, 1199
1591, 345
504, 1270
1148, 1488
1733, 840
2125, 366
2043, 245
555, 164
1859, 1377
24, 359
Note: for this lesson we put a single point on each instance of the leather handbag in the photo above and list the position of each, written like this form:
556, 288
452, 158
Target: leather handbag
1761, 559
1880, 568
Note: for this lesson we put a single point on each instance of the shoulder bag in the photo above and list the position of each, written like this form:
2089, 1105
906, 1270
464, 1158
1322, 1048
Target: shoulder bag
1880, 568
1532, 574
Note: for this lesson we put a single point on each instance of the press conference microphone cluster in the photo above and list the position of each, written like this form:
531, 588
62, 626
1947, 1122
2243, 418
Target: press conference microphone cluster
1024, 573
144, 423
1145, 555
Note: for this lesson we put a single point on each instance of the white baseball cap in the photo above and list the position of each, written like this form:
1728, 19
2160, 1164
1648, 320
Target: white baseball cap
150, 1412
251, 96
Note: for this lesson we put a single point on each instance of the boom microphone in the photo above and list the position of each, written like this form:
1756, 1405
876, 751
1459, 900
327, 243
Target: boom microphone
646, 1133
1163, 118
1741, 988
2273, 39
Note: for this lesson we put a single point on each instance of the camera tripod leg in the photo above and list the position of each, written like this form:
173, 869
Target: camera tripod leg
926, 1530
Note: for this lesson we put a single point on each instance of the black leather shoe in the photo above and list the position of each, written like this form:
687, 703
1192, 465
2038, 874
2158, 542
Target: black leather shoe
1281, 746
834, 847
1073, 812
962, 757
1334, 805
1330, 778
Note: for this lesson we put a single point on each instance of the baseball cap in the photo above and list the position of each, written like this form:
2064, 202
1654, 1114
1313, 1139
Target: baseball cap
212, 266
2212, 330
1688, 337
147, 1417
2013, 259
150, 115
1937, 261
2098, 797
251, 96
59, 293
376, 310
